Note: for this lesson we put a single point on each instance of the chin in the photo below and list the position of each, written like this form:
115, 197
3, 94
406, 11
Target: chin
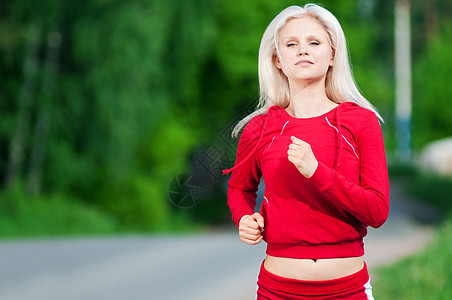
304, 79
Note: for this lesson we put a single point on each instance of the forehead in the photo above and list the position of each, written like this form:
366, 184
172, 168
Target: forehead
303, 27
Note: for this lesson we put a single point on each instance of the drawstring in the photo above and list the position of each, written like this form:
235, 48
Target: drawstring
337, 159
337, 164
227, 171
282, 130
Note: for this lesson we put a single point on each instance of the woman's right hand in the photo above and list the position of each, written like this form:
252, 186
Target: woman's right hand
250, 228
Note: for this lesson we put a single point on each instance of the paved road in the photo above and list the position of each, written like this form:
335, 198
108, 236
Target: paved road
214, 265
185, 267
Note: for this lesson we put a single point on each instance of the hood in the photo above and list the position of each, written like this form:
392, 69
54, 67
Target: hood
266, 116
336, 127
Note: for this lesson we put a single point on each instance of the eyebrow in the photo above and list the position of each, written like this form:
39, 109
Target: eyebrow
309, 37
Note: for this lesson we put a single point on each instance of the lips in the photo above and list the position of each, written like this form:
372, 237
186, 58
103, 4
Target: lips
304, 62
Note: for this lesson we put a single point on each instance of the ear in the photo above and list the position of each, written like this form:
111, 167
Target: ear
277, 62
332, 58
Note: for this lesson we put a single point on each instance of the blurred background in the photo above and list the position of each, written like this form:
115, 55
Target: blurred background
116, 115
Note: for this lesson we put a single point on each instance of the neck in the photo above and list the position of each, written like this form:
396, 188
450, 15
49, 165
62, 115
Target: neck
309, 100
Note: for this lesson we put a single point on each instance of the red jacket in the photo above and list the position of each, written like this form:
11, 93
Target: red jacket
325, 216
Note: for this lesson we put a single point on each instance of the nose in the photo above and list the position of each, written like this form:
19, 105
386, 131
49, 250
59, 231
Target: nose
303, 50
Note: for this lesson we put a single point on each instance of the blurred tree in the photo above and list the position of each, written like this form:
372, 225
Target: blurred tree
432, 112
17, 142
103, 97
100, 98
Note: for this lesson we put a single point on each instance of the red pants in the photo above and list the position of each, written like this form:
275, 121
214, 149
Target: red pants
352, 287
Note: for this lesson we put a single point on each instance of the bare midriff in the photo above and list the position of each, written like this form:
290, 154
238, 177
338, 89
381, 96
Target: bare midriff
313, 269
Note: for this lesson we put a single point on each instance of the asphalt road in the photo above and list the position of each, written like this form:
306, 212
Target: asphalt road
213, 265
207, 266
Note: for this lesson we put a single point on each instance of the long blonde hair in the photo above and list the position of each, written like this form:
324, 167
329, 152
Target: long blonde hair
340, 85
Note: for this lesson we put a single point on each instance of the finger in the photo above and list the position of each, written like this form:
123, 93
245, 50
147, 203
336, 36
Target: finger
252, 242
294, 158
297, 141
244, 218
251, 237
291, 152
250, 231
294, 146
257, 241
251, 224
259, 219
249, 242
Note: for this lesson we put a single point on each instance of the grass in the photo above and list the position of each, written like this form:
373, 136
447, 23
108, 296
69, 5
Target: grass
428, 273
425, 275
23, 216
52, 215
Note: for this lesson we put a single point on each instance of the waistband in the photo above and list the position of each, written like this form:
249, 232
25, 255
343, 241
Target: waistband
342, 249
325, 287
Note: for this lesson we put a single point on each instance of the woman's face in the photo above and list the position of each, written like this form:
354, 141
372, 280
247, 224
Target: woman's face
305, 51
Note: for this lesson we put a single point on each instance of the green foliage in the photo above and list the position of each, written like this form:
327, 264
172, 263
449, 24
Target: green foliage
434, 190
121, 63
212, 209
138, 204
432, 114
125, 67
429, 270
429, 188
22, 216
140, 84
171, 144
417, 276
425, 275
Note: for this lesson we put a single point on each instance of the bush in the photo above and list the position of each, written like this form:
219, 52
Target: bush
21, 215
429, 188
140, 203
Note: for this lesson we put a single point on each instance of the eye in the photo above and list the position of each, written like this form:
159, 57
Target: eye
315, 43
291, 44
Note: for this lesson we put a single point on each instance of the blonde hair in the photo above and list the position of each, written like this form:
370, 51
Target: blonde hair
340, 85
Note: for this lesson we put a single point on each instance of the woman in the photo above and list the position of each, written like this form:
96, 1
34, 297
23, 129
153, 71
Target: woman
317, 143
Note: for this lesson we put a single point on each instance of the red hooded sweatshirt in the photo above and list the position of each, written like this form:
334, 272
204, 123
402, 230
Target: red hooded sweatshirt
326, 215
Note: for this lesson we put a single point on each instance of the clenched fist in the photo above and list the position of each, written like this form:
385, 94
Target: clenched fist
250, 228
301, 155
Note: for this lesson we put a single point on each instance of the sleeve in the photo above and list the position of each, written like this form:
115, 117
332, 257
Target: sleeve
245, 178
368, 201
